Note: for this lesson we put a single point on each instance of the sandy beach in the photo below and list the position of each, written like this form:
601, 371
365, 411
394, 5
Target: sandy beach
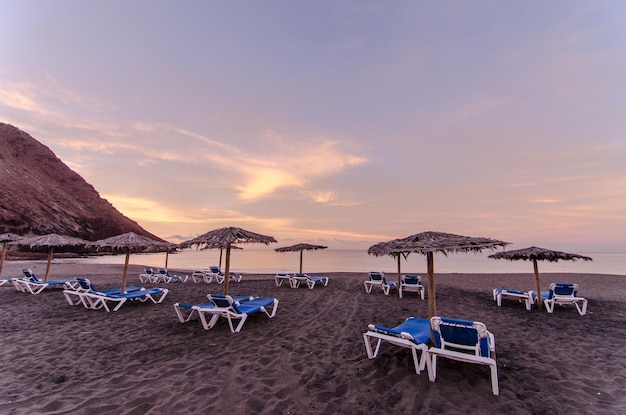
310, 358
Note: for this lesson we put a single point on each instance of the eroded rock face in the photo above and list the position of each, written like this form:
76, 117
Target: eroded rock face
39, 194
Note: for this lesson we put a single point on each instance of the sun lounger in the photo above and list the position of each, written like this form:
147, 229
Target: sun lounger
564, 294
201, 276
464, 341
226, 306
413, 333
412, 283
280, 278
310, 282
167, 277
510, 294
30, 283
149, 276
377, 279
186, 312
76, 294
219, 275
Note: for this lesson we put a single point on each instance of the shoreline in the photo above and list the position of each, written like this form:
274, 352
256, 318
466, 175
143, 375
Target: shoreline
310, 358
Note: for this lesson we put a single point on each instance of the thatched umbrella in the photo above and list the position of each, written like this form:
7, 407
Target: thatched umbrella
301, 248
224, 238
538, 254
4, 238
50, 242
387, 247
127, 243
427, 243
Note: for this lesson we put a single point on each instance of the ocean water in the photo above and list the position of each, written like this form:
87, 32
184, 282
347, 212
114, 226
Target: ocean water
267, 261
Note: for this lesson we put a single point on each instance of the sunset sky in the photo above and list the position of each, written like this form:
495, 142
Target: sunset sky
343, 123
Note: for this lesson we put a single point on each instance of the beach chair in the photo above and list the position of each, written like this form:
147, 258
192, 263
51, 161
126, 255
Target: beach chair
309, 281
377, 279
219, 275
167, 277
280, 278
186, 312
413, 333
149, 276
113, 302
201, 276
31, 284
564, 294
510, 294
412, 283
464, 341
76, 294
226, 306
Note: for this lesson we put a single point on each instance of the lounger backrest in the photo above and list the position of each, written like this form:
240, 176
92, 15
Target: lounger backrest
163, 271
413, 279
84, 283
376, 276
215, 270
28, 273
461, 335
149, 271
223, 301
563, 290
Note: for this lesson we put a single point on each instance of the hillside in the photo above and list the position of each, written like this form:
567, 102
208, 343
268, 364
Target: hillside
39, 194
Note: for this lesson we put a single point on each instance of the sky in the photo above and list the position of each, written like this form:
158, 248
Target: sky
342, 123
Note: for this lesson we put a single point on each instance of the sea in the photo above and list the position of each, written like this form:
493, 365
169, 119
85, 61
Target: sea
267, 261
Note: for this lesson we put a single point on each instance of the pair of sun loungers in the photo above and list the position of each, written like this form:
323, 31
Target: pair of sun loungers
214, 273
29, 283
296, 280
558, 294
461, 340
232, 308
88, 296
412, 283
161, 276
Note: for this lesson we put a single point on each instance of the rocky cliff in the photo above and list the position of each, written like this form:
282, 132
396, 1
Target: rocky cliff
39, 194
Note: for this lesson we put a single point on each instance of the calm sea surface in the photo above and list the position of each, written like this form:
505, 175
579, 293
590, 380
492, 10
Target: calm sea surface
328, 260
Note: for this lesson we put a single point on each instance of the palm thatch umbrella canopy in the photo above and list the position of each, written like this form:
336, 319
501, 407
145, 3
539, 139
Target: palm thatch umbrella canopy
301, 248
50, 242
538, 254
127, 243
428, 243
224, 238
4, 238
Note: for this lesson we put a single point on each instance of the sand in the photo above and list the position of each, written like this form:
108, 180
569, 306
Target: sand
310, 358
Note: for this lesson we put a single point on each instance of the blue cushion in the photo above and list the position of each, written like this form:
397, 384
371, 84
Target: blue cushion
418, 328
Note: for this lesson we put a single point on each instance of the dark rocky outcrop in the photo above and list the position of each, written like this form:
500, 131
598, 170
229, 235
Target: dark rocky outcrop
39, 194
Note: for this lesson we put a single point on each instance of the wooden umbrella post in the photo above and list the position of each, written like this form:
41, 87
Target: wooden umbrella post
220, 264
50, 253
432, 308
537, 285
167, 256
301, 261
4, 252
227, 270
399, 277
123, 290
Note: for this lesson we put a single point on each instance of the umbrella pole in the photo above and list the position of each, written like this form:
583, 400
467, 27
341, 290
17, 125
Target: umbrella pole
432, 309
220, 264
399, 277
167, 256
301, 262
4, 252
50, 253
227, 270
125, 271
537, 285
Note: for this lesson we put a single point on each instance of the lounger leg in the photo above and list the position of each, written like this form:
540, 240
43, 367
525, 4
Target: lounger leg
368, 287
400, 291
432, 374
239, 326
368, 346
549, 306
582, 311
494, 379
